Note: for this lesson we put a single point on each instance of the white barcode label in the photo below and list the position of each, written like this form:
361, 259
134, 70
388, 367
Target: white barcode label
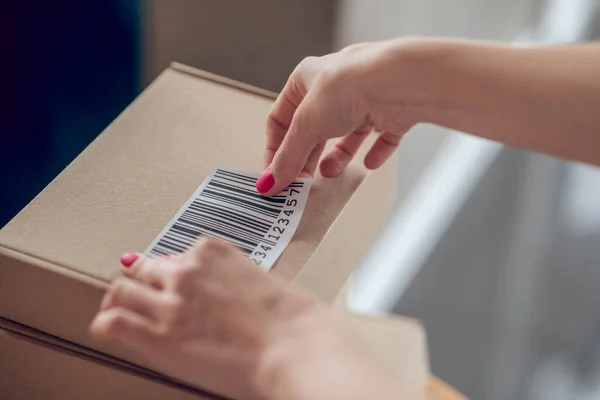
227, 206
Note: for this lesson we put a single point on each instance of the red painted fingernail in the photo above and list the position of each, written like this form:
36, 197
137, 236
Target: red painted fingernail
265, 182
128, 259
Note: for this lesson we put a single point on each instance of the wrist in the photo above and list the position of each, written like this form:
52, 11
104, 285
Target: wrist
428, 80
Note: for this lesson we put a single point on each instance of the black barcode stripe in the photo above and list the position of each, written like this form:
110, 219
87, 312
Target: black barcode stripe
247, 185
198, 219
229, 208
244, 219
211, 228
188, 239
233, 174
230, 188
250, 181
158, 251
252, 204
180, 235
228, 221
175, 247
206, 221
173, 243
249, 189
231, 185
236, 206
253, 197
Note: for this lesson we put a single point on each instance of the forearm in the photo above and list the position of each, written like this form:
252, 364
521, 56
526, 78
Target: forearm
545, 99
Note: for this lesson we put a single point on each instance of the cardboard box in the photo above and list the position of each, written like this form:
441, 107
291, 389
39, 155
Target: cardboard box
36, 368
35, 365
59, 254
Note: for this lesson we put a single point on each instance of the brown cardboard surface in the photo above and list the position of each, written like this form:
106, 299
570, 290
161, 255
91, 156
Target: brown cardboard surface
398, 342
34, 369
59, 254
34, 362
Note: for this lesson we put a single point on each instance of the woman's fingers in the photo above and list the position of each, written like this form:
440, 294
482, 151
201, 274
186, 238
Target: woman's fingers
151, 271
293, 153
127, 327
313, 160
299, 123
385, 145
282, 112
133, 296
343, 152
279, 121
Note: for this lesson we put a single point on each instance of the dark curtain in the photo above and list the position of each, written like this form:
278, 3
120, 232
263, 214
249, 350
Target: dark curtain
68, 68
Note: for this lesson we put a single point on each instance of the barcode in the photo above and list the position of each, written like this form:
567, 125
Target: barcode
228, 207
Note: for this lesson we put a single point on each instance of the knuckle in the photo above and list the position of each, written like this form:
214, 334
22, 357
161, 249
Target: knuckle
354, 47
171, 320
183, 273
164, 329
334, 76
173, 314
116, 323
119, 285
116, 291
305, 63
173, 305
201, 261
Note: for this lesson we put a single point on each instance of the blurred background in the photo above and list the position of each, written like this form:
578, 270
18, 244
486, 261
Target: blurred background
494, 249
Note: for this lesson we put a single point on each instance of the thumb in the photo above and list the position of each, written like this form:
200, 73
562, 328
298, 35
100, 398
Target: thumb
291, 157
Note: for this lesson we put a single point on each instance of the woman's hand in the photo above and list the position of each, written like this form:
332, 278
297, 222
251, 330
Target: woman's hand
344, 94
544, 99
212, 318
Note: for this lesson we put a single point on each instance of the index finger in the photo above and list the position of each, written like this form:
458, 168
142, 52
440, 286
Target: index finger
281, 115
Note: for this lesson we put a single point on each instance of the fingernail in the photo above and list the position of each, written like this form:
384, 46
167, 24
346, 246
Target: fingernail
265, 182
164, 257
128, 259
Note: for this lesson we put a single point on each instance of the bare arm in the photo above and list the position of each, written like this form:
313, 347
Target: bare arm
545, 99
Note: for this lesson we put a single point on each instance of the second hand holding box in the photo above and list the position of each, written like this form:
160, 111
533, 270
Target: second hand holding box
58, 256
